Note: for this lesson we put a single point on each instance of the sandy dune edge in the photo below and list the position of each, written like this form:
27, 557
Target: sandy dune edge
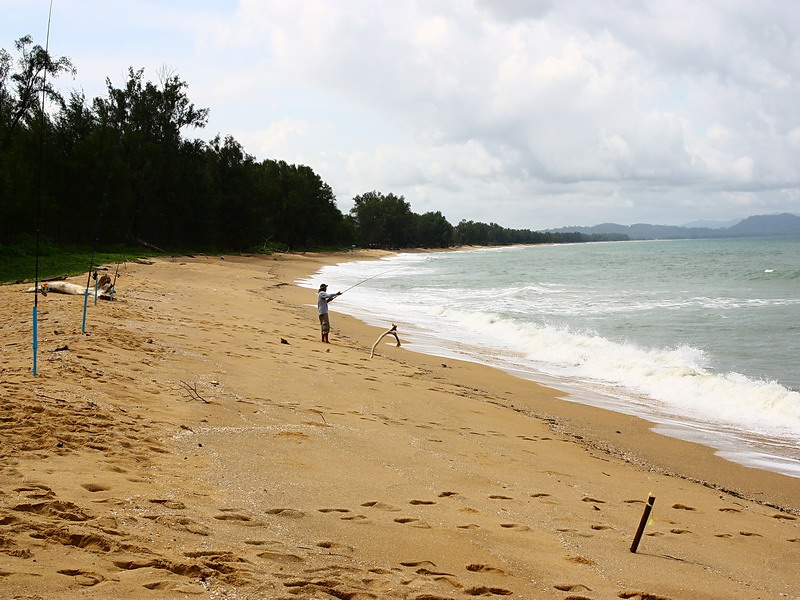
182, 449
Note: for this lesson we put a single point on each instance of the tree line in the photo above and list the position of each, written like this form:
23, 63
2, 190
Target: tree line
120, 169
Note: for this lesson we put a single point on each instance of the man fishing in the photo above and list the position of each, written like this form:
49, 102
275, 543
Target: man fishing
323, 297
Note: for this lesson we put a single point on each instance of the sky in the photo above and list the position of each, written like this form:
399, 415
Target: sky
531, 114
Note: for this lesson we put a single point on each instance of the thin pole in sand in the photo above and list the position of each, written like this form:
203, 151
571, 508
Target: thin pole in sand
643, 522
89, 277
114, 283
39, 197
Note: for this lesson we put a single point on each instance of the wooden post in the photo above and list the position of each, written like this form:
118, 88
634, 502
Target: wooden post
645, 516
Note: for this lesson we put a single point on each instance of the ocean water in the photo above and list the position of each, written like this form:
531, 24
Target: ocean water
701, 337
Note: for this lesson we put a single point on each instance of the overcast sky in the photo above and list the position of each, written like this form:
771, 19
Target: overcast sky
529, 113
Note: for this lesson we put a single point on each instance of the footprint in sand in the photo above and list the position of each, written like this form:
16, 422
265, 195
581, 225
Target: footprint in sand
783, 516
730, 510
280, 557
84, 578
435, 574
160, 585
581, 560
487, 591
592, 500
683, 507
181, 524
173, 504
286, 512
499, 497
421, 502
679, 531
515, 526
572, 587
356, 518
335, 546
479, 568
232, 517
61, 510
382, 506
412, 522
330, 510
750, 534
447, 494
35, 491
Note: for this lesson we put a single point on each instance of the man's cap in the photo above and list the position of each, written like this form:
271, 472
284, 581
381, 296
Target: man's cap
323, 286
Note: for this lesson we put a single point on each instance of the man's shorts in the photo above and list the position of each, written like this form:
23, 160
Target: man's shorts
325, 323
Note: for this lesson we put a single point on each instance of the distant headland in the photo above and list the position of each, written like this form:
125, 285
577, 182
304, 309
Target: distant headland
784, 224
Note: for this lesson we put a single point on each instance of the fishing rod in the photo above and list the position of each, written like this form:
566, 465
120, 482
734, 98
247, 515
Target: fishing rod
367, 279
39, 196
90, 275
114, 283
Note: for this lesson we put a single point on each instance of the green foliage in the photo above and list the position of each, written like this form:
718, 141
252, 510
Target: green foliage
117, 170
383, 221
20, 90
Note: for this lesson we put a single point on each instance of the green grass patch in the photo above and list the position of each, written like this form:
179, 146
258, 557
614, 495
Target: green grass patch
18, 263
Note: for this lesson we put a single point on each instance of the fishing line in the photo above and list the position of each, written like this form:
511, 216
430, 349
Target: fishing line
368, 278
39, 194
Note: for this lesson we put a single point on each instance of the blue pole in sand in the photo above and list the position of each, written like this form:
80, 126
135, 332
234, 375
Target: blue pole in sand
35, 336
85, 301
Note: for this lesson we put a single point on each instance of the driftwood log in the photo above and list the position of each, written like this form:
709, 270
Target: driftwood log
105, 288
392, 331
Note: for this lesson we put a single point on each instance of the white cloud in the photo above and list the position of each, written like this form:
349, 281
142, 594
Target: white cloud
529, 113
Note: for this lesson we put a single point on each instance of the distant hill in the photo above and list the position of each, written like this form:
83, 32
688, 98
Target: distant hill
711, 224
768, 225
784, 224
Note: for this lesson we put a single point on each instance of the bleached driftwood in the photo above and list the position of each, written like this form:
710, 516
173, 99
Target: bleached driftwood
104, 288
392, 331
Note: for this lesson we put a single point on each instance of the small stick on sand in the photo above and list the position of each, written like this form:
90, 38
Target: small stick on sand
392, 331
193, 393
643, 522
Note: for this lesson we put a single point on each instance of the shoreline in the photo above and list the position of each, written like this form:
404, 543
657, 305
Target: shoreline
201, 440
667, 460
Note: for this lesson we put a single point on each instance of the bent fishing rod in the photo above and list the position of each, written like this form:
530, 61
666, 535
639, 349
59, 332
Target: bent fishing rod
367, 279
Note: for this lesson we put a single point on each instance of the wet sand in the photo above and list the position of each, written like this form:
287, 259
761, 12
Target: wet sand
202, 442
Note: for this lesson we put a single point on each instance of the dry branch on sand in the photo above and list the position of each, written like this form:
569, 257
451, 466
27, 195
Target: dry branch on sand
391, 331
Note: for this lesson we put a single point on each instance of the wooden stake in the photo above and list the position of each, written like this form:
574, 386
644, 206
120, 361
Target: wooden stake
645, 516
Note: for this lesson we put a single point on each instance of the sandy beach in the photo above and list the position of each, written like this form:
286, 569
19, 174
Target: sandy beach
199, 441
